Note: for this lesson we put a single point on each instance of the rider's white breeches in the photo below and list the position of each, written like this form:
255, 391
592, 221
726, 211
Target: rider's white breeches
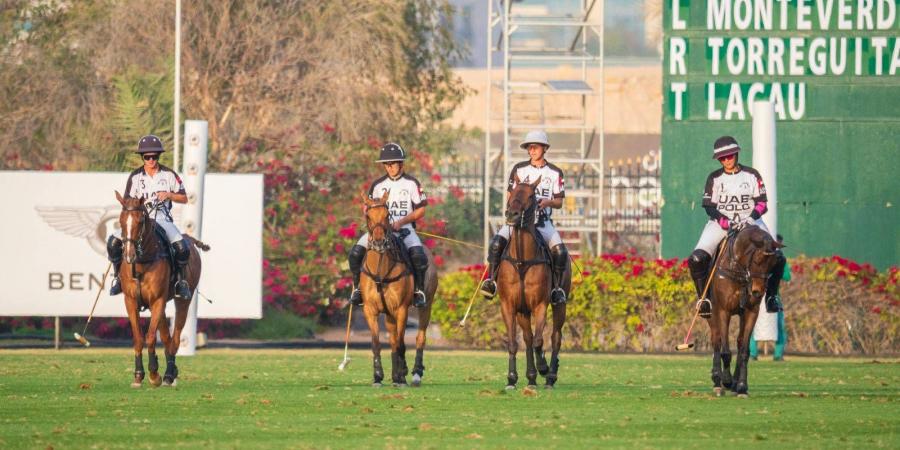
411, 240
171, 230
548, 232
713, 234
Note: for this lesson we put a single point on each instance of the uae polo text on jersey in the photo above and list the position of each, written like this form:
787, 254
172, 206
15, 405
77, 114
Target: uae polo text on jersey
405, 195
735, 195
551, 186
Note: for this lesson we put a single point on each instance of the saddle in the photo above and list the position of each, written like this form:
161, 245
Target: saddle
165, 251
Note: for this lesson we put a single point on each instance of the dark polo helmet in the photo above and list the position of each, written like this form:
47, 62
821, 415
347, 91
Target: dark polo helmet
391, 152
150, 144
724, 146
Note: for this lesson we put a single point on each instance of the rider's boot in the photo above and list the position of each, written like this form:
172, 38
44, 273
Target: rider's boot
699, 265
114, 252
420, 266
560, 257
774, 283
495, 251
355, 259
182, 256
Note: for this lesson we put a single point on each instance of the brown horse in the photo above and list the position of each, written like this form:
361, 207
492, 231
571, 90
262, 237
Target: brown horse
524, 281
147, 282
387, 288
737, 289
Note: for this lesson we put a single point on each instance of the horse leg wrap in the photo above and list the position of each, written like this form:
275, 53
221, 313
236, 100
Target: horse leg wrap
377, 370
512, 377
419, 366
171, 370
139, 368
542, 367
727, 380
154, 363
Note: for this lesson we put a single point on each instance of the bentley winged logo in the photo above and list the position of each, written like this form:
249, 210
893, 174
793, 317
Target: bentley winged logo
94, 224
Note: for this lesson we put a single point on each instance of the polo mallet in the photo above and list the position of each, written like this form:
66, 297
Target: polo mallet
80, 337
685, 345
346, 360
462, 323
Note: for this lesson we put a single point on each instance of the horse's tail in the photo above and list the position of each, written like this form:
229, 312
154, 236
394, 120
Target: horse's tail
199, 244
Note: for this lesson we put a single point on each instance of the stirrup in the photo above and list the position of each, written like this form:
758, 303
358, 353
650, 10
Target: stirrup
419, 300
182, 287
356, 297
488, 288
557, 296
705, 308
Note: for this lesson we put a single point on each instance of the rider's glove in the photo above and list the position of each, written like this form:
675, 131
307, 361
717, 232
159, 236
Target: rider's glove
723, 222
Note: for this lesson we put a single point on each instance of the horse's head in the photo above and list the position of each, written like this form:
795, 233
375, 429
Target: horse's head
756, 251
378, 221
521, 204
132, 221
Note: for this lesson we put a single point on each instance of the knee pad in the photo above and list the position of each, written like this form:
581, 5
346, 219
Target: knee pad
560, 256
419, 258
182, 251
495, 249
114, 249
699, 260
355, 258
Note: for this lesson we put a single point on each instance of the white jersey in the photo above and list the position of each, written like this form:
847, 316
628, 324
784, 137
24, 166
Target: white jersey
735, 195
552, 184
406, 195
143, 186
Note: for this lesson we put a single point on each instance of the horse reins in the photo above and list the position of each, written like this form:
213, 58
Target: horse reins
390, 246
522, 265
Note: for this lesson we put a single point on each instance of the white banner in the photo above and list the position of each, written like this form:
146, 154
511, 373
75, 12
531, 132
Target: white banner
53, 240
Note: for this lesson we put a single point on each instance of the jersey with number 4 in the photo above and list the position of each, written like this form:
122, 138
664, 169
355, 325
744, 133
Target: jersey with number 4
735, 195
405, 195
551, 186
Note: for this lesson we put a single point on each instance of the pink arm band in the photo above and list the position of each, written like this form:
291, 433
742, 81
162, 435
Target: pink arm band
760, 207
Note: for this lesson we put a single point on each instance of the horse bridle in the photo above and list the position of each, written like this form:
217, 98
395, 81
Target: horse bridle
380, 248
138, 243
387, 247
742, 273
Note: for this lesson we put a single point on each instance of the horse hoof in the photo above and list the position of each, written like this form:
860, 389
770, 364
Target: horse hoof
167, 382
510, 387
718, 391
548, 386
416, 380
743, 396
136, 385
533, 387
376, 385
155, 381
400, 385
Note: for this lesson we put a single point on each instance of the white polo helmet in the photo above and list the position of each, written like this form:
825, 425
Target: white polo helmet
535, 137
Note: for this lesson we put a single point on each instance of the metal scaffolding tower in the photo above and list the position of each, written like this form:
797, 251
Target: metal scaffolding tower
552, 79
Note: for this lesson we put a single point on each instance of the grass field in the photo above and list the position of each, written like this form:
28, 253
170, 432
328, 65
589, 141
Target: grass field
298, 399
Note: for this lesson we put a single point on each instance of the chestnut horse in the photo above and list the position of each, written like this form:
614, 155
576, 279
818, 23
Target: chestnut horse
146, 280
524, 281
738, 287
387, 288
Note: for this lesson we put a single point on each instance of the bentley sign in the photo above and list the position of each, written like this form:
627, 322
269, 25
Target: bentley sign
54, 232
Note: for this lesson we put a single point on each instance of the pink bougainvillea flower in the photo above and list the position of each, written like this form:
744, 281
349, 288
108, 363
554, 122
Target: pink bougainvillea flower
430, 243
303, 280
439, 261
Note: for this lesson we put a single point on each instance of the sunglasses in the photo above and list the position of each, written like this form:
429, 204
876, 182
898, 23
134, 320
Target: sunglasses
391, 163
150, 157
726, 158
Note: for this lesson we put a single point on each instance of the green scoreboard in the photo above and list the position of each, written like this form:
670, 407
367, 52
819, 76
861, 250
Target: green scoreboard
832, 69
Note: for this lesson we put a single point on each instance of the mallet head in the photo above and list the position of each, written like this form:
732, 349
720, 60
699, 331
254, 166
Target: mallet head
83, 340
682, 347
343, 364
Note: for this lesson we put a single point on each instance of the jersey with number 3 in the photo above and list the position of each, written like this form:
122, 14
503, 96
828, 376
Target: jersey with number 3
551, 186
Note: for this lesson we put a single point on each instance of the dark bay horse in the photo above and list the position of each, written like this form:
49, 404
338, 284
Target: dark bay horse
147, 282
524, 281
387, 288
737, 288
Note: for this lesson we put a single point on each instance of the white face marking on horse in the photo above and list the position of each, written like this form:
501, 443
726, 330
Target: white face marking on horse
128, 225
